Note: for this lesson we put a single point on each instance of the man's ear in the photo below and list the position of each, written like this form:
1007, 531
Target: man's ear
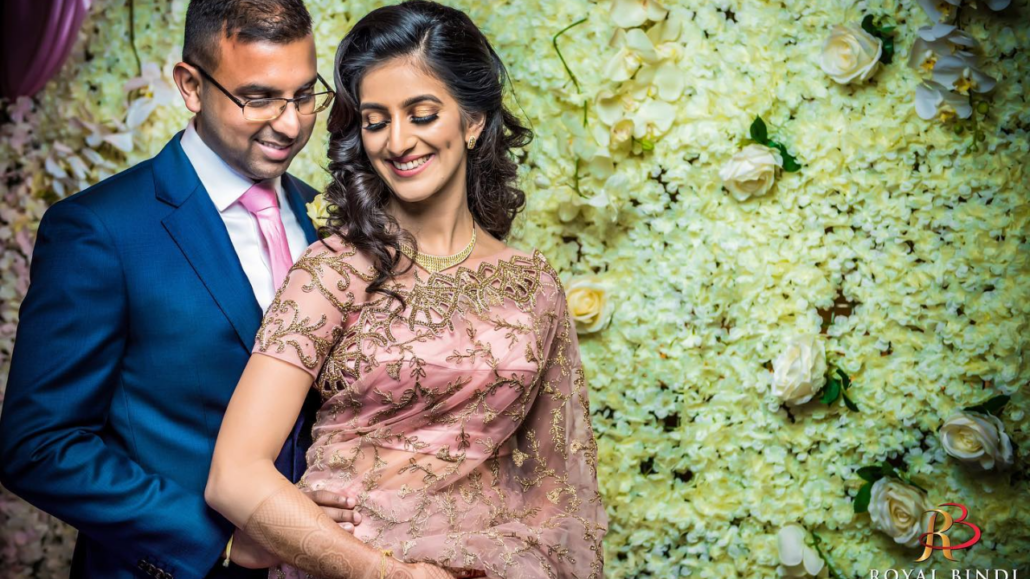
187, 78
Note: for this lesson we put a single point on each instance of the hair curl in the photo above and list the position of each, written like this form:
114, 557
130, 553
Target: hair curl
448, 45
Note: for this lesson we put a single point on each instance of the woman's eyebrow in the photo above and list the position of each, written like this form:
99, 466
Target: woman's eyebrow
405, 104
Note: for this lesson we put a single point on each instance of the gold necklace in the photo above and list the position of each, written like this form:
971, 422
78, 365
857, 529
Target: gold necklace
435, 263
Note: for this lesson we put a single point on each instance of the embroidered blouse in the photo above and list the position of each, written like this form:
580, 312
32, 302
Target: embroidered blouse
461, 422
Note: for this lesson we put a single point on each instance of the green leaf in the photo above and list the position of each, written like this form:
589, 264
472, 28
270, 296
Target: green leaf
831, 391
870, 473
888, 470
887, 56
991, 406
758, 131
862, 499
994, 405
790, 164
845, 378
867, 25
851, 405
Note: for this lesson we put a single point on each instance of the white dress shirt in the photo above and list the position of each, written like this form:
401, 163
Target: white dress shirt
226, 186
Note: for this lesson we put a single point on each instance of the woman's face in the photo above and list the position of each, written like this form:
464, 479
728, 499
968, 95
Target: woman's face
412, 131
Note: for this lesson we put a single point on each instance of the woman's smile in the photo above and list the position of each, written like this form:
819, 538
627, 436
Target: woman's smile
410, 165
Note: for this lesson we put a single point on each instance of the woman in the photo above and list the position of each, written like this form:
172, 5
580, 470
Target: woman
454, 403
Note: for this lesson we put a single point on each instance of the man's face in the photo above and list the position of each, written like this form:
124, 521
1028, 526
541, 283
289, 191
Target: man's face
258, 149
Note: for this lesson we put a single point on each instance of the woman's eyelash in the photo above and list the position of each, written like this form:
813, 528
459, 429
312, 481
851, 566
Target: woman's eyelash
416, 120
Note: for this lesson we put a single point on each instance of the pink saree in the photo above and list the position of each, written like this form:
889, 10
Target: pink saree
461, 423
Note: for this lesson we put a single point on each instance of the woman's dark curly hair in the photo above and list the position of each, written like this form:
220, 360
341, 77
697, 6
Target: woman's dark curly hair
449, 46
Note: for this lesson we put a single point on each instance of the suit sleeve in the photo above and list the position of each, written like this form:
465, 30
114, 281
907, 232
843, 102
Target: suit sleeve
65, 369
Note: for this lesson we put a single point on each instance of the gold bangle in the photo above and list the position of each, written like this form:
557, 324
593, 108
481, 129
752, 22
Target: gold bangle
382, 563
228, 550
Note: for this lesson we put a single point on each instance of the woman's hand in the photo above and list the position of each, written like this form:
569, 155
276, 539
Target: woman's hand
468, 574
428, 571
419, 571
431, 571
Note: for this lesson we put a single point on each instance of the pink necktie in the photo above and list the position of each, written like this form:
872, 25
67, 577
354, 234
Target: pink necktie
260, 200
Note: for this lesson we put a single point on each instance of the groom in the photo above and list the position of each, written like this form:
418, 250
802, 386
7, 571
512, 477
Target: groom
147, 292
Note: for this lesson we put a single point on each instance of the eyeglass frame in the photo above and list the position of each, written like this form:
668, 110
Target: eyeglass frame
243, 103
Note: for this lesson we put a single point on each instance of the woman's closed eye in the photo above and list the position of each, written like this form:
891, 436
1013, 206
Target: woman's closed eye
373, 124
422, 120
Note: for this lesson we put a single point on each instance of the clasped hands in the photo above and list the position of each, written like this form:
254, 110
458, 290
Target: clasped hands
249, 554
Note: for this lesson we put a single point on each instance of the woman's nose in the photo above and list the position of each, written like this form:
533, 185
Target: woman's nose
401, 139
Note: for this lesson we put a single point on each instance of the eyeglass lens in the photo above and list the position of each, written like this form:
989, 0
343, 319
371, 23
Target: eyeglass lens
267, 109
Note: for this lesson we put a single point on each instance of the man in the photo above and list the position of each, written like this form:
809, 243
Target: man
147, 293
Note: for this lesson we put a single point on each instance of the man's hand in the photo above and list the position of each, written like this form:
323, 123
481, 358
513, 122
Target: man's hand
247, 553
340, 508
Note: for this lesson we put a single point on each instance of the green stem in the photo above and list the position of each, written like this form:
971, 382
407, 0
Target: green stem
132, 36
575, 179
554, 42
829, 566
973, 116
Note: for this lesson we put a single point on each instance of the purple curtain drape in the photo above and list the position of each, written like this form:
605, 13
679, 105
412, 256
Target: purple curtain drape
36, 36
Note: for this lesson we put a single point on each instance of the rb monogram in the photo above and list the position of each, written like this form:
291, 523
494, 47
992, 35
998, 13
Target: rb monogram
946, 545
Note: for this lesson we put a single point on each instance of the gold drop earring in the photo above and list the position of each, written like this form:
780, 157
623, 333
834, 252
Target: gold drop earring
472, 142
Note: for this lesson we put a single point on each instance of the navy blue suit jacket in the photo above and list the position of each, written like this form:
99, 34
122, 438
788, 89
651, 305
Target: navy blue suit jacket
137, 325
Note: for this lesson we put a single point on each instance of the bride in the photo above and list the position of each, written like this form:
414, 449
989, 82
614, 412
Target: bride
454, 402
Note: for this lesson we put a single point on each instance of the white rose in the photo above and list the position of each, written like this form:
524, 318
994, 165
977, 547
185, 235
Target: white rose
899, 510
751, 171
589, 305
850, 53
976, 438
799, 372
796, 558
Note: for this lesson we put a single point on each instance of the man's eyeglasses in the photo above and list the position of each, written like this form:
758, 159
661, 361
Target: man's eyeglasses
267, 109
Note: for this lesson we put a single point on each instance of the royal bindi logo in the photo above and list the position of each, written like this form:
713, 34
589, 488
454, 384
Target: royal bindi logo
929, 539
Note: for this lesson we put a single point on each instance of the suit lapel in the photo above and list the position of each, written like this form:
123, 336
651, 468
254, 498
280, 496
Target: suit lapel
300, 211
199, 232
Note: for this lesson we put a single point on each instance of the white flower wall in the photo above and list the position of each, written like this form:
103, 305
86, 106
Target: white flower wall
899, 243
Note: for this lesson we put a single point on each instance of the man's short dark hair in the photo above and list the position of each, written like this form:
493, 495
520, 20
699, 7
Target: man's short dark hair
276, 21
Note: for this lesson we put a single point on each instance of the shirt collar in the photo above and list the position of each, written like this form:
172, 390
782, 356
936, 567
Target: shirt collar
223, 183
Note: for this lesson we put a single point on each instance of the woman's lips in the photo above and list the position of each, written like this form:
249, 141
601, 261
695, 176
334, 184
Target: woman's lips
416, 170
